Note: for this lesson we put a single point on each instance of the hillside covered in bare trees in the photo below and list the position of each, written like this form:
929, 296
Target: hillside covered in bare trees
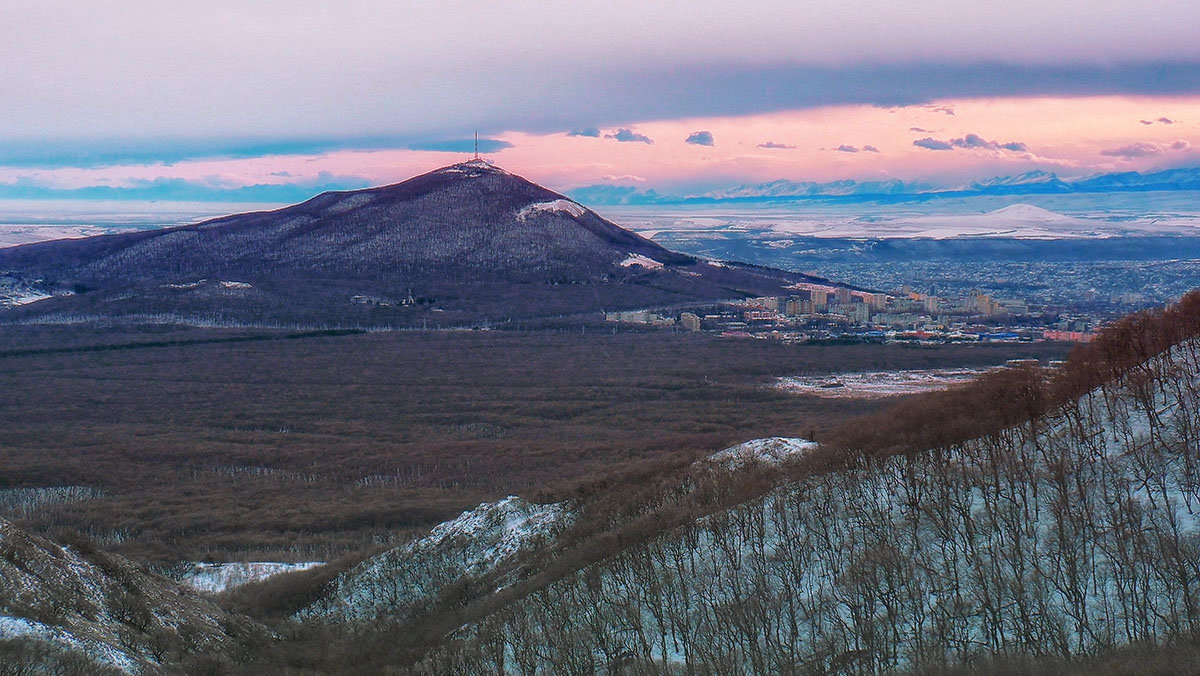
1068, 529
1035, 516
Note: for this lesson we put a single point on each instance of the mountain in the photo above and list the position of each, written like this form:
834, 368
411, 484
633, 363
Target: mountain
460, 245
784, 188
1132, 181
74, 609
1029, 183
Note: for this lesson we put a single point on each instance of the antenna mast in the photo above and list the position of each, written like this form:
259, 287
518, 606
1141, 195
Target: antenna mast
477, 145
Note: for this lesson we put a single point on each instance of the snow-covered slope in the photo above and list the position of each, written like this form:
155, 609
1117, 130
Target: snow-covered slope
560, 206
487, 542
214, 578
1075, 532
483, 541
101, 610
769, 451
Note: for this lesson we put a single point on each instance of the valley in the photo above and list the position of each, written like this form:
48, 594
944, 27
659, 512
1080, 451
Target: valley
206, 445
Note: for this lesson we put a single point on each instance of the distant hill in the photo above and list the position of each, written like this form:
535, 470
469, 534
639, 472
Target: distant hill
464, 244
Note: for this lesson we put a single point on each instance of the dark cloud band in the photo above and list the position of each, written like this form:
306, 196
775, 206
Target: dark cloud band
88, 153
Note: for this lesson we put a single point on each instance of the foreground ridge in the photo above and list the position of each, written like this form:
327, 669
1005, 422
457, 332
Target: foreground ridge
1072, 533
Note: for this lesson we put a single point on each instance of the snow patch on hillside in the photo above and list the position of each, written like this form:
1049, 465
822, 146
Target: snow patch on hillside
473, 168
97, 652
556, 206
214, 578
770, 451
641, 261
481, 541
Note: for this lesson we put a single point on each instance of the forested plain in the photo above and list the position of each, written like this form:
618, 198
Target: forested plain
229, 445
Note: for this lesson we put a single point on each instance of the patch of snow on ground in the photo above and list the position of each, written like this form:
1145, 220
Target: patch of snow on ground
503, 528
770, 451
876, 384
556, 206
642, 261
14, 627
237, 285
218, 577
183, 285
478, 542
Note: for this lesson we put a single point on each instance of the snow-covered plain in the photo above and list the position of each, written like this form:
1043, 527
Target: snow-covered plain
877, 384
1023, 217
26, 221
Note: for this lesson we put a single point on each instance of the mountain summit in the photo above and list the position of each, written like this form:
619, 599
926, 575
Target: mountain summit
468, 242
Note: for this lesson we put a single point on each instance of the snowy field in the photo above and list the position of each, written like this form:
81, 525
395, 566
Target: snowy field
877, 384
1023, 217
25, 221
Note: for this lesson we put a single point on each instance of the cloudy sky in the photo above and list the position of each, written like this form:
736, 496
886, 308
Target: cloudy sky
155, 99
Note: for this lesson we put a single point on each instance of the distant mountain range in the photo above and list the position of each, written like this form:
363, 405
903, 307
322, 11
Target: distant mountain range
1029, 183
463, 245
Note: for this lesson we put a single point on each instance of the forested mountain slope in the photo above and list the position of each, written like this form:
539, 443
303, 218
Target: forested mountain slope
1066, 534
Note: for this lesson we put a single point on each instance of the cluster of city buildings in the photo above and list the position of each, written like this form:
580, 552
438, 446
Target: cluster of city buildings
820, 312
